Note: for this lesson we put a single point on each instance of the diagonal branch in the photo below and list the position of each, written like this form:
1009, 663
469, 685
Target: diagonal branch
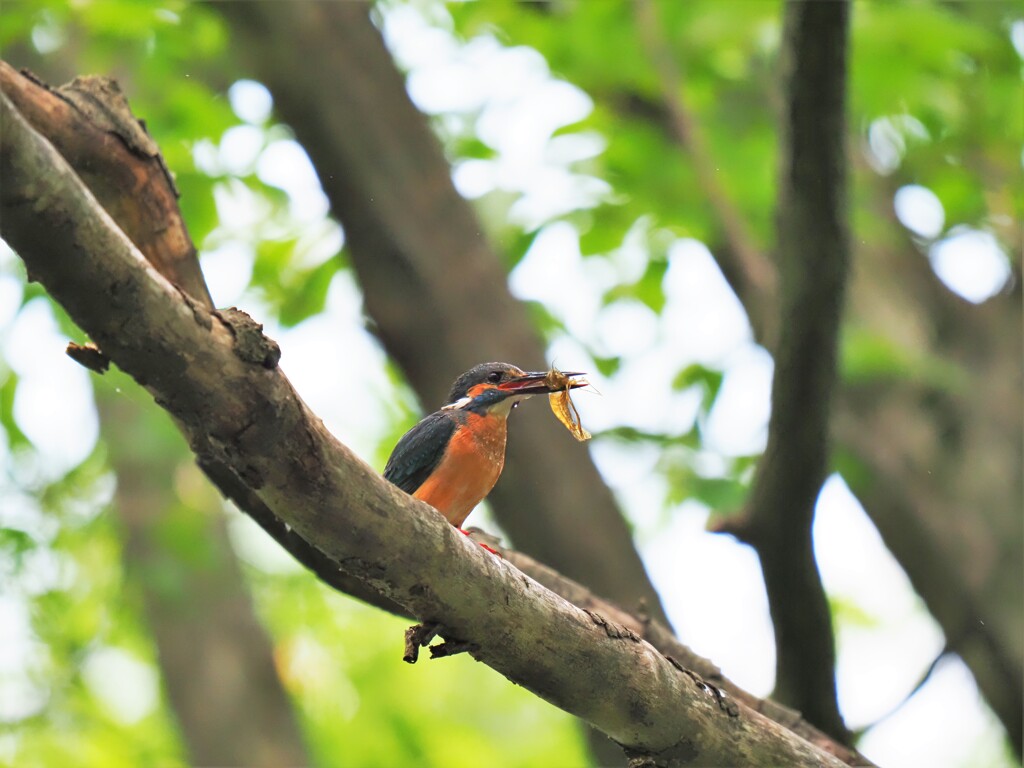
235, 405
89, 123
661, 637
137, 191
897, 433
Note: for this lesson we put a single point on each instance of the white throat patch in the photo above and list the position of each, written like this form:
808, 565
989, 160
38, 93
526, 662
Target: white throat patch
501, 408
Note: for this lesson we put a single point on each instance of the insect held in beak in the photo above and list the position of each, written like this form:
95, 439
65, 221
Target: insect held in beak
561, 403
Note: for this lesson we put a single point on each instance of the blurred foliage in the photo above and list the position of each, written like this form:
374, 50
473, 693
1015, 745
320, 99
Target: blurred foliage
363, 709
67, 568
950, 122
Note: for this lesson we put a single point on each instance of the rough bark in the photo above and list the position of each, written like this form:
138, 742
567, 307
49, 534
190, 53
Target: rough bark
661, 637
217, 375
90, 124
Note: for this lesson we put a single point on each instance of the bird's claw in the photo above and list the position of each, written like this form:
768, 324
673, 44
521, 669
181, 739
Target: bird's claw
492, 550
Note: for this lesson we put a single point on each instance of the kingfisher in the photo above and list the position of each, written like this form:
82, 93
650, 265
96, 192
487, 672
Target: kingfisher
454, 456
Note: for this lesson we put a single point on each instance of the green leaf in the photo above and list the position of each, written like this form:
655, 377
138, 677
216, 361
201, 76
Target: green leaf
15, 544
723, 495
847, 612
607, 366
697, 375
307, 293
8, 387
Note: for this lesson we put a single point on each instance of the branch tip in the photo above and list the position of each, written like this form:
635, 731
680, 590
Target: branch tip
452, 648
88, 356
251, 344
417, 636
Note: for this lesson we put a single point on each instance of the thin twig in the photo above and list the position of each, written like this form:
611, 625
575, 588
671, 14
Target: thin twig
749, 272
417, 636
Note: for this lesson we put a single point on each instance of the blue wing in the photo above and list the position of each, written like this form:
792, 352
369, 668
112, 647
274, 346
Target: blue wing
419, 451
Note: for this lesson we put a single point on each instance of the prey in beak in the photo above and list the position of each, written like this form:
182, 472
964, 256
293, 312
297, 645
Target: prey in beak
542, 382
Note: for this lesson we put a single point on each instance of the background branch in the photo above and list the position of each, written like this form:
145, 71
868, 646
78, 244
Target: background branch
813, 258
914, 452
747, 269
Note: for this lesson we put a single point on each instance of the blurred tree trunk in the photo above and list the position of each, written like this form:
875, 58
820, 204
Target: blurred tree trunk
813, 259
435, 290
216, 659
934, 456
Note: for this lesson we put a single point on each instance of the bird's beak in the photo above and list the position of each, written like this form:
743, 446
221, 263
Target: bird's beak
543, 382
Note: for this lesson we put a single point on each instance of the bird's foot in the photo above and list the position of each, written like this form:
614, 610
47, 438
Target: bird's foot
492, 550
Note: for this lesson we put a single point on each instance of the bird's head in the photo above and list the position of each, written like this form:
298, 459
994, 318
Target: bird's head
499, 387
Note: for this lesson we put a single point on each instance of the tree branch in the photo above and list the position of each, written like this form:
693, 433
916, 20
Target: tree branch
146, 210
898, 435
88, 121
240, 409
662, 638
924, 461
91, 124
790, 473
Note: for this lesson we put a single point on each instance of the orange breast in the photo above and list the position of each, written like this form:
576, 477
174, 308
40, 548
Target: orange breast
470, 468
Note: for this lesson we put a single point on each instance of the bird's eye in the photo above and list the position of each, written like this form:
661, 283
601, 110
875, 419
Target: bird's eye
494, 377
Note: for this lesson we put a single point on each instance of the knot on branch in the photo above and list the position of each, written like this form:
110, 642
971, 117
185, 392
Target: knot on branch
102, 101
251, 345
725, 703
612, 629
200, 312
740, 526
419, 635
88, 356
